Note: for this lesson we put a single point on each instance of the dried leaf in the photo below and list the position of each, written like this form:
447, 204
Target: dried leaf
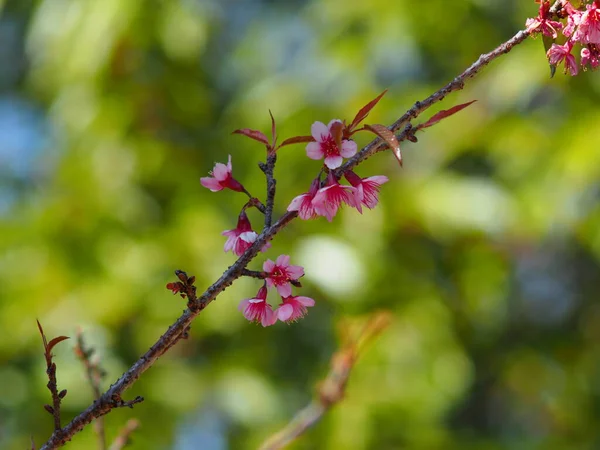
42, 333
390, 139
273, 135
365, 110
253, 134
443, 114
337, 132
55, 341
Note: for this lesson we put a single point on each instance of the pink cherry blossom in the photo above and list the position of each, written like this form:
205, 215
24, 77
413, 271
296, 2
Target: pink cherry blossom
326, 145
367, 189
241, 237
280, 273
221, 178
588, 31
303, 203
591, 56
542, 23
257, 309
328, 199
558, 53
293, 308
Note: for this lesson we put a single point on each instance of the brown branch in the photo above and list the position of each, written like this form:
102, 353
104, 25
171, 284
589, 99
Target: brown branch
94, 375
124, 435
112, 397
332, 389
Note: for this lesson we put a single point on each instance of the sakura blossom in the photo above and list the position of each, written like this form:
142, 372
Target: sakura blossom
328, 200
280, 273
326, 146
542, 24
257, 309
221, 178
366, 189
303, 203
241, 237
559, 53
293, 308
588, 30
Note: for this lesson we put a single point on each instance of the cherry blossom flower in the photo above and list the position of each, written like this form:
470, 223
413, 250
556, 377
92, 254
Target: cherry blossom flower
588, 31
293, 308
366, 189
542, 24
328, 199
257, 309
241, 237
558, 53
280, 273
326, 145
303, 203
590, 55
221, 178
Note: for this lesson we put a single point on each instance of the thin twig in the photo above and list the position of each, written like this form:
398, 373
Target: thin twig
255, 201
94, 375
124, 435
271, 187
111, 398
254, 274
332, 389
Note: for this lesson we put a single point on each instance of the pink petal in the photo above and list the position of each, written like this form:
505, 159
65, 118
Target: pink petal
248, 236
296, 203
243, 304
334, 161
269, 282
285, 290
221, 172
269, 318
379, 179
284, 312
319, 131
268, 265
348, 149
305, 301
283, 260
313, 150
295, 272
211, 183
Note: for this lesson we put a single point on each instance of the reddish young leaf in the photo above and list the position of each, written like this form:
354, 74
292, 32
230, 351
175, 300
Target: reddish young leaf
273, 135
337, 132
253, 134
390, 139
296, 140
443, 114
55, 341
365, 110
42, 333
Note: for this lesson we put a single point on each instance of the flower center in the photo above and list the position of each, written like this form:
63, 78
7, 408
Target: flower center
279, 276
329, 147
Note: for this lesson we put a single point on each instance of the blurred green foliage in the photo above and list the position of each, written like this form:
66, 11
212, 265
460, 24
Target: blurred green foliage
486, 246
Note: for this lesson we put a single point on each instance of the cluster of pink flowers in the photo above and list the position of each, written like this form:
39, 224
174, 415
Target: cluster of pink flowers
279, 275
580, 26
329, 142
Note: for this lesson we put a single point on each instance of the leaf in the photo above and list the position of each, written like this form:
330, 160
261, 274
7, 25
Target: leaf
42, 333
296, 140
390, 139
365, 110
253, 134
55, 341
337, 131
273, 135
548, 41
443, 114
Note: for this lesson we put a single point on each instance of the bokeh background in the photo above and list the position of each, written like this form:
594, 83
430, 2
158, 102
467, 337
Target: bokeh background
485, 248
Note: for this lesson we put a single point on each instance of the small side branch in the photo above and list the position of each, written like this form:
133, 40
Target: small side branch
332, 389
125, 434
94, 374
268, 169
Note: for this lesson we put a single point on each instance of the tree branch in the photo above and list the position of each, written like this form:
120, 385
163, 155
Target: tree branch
112, 397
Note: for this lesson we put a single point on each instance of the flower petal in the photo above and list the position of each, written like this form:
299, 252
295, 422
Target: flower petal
268, 265
305, 301
319, 131
285, 290
314, 151
221, 172
334, 161
211, 183
283, 260
284, 312
348, 148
